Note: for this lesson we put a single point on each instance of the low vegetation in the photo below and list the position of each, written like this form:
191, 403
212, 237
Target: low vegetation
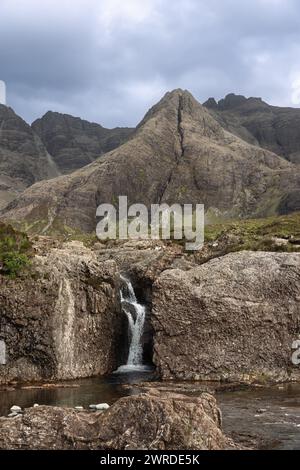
280, 233
15, 251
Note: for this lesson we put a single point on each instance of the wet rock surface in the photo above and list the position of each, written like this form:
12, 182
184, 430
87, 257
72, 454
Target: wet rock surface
147, 421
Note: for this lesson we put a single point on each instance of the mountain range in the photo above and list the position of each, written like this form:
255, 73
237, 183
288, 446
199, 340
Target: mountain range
73, 142
271, 127
238, 157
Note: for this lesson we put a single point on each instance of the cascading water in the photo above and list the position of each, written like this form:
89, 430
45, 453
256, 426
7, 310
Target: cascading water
136, 315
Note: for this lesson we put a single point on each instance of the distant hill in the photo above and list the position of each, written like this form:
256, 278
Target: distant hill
73, 142
23, 158
179, 153
272, 127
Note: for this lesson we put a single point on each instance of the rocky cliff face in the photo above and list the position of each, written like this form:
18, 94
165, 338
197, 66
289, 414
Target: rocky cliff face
178, 153
233, 318
151, 421
23, 158
272, 127
63, 320
73, 142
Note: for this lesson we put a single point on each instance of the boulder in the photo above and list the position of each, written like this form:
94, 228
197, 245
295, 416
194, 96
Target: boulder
62, 321
147, 421
233, 318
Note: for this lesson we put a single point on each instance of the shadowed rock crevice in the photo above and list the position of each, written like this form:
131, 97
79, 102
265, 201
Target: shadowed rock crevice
143, 292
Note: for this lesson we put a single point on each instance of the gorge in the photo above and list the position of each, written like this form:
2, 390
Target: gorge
145, 325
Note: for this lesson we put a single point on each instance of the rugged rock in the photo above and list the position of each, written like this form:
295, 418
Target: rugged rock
62, 321
151, 421
234, 318
73, 142
143, 261
23, 158
178, 153
272, 127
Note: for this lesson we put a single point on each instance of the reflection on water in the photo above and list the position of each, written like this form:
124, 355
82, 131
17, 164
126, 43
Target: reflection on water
85, 392
266, 418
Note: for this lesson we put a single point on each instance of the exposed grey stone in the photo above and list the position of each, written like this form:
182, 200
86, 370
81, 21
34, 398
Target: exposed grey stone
234, 318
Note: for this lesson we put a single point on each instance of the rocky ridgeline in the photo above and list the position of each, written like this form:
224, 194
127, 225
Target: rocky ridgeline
53, 145
272, 127
178, 153
23, 158
73, 142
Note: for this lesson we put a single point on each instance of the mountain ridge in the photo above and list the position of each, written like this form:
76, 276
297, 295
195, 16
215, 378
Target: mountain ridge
23, 158
178, 154
74, 142
274, 128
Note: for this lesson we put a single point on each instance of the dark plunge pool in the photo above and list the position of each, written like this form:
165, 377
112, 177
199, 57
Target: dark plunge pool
83, 392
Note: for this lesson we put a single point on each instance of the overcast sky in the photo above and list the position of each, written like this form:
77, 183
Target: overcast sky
110, 60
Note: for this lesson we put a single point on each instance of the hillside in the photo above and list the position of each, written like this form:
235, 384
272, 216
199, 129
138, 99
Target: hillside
178, 153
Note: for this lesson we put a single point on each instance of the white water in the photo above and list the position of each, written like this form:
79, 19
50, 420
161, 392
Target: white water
136, 315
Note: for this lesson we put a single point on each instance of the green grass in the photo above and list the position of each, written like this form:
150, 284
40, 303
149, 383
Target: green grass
257, 234
15, 251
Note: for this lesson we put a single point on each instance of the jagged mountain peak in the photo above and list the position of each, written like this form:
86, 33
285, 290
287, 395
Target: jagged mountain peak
61, 118
181, 111
233, 101
178, 154
23, 158
74, 142
255, 121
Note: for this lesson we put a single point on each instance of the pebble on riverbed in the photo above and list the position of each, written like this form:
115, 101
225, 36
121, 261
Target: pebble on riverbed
261, 411
16, 409
101, 406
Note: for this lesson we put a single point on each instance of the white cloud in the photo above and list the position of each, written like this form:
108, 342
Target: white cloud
132, 11
295, 86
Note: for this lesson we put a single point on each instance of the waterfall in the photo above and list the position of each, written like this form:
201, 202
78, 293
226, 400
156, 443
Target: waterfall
136, 315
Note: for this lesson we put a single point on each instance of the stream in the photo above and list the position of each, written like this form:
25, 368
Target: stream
261, 417
265, 418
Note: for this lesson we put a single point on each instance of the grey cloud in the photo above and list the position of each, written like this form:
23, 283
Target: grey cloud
108, 60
